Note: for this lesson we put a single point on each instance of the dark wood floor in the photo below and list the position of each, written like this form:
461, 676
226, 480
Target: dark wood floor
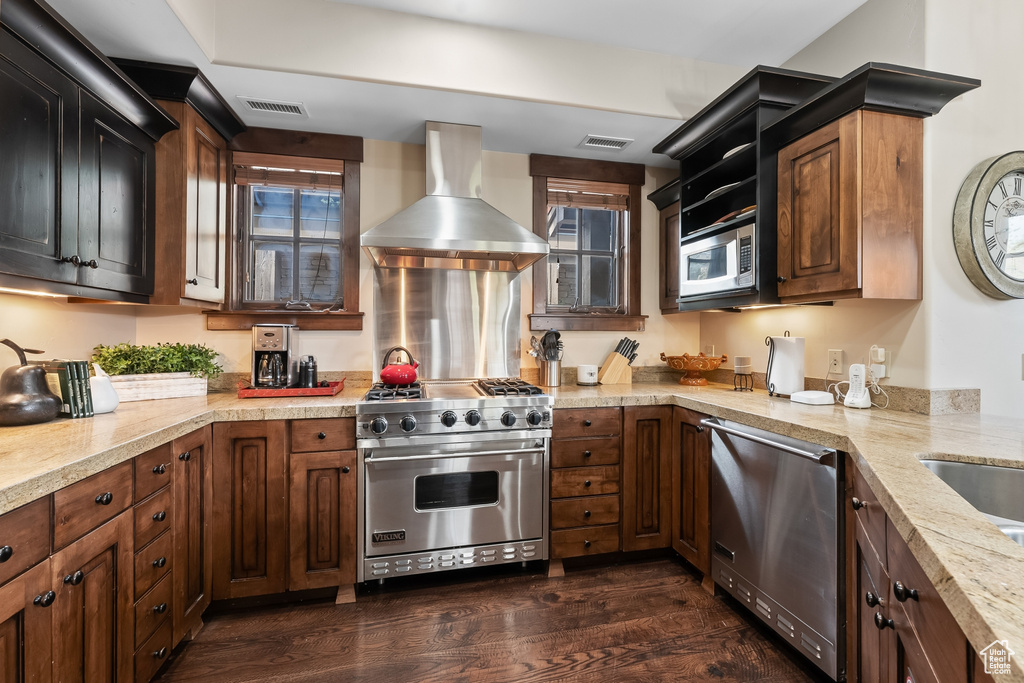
645, 621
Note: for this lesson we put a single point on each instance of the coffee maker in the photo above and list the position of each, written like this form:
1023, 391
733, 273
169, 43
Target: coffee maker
274, 355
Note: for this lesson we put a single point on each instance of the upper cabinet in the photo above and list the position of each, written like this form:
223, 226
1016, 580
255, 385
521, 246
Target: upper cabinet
76, 163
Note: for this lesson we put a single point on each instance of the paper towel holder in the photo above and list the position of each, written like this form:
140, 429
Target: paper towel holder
768, 371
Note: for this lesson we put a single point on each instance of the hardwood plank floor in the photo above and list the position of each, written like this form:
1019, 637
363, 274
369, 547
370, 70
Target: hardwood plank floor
644, 621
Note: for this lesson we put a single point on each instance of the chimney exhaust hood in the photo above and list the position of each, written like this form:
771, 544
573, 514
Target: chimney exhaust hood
452, 227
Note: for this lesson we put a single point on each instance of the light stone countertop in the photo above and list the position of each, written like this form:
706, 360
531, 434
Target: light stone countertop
977, 570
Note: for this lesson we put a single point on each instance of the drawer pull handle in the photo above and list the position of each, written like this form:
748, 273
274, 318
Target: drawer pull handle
185, 457
902, 593
159, 562
5, 553
160, 469
871, 599
586, 544
346, 469
45, 600
586, 513
586, 483
586, 423
74, 579
586, 454
160, 516
857, 503
161, 653
105, 498
882, 623
161, 608
321, 436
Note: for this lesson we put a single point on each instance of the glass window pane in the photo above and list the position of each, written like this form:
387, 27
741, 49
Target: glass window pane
599, 229
599, 280
562, 227
272, 211
320, 214
318, 272
456, 490
707, 264
270, 272
563, 280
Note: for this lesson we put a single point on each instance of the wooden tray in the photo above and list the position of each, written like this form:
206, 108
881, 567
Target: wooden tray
332, 388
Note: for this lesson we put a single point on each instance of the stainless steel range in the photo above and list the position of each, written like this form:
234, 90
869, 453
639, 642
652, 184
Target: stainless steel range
452, 475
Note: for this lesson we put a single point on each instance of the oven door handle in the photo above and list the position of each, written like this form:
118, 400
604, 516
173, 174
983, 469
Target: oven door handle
458, 454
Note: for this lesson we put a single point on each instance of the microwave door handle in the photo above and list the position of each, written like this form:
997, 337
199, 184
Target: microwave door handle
369, 457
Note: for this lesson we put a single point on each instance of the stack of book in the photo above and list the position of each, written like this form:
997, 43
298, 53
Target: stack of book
69, 379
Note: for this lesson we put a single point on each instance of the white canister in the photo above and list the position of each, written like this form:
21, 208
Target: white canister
586, 375
104, 396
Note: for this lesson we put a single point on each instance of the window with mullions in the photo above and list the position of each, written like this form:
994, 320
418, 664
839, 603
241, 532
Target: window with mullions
583, 272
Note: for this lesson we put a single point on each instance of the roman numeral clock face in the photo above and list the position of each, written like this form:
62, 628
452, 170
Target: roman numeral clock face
988, 226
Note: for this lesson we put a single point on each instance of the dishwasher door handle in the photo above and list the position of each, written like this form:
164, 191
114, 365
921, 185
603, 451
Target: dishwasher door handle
825, 456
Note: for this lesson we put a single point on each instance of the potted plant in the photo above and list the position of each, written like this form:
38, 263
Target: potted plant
164, 370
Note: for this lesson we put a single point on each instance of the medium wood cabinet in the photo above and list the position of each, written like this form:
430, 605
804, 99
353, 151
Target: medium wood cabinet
193, 530
646, 477
26, 626
691, 488
250, 519
850, 204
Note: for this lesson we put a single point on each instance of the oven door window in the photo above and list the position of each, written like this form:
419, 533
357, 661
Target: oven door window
708, 265
456, 490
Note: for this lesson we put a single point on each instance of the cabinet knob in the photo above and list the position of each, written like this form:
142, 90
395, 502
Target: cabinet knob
159, 562
857, 503
160, 469
74, 579
161, 653
91, 263
160, 516
586, 513
586, 544
321, 436
586, 483
346, 469
781, 279
5, 553
883, 623
586, 454
871, 599
186, 456
74, 260
586, 423
902, 593
45, 600
161, 608
193, 281
700, 428
105, 498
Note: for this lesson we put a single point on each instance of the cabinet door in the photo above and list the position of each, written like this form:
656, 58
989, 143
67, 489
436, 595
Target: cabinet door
26, 626
93, 613
116, 201
646, 477
250, 522
870, 598
818, 217
668, 243
691, 481
205, 226
193, 538
322, 524
38, 155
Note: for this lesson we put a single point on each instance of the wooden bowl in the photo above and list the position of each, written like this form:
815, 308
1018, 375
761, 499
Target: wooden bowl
693, 365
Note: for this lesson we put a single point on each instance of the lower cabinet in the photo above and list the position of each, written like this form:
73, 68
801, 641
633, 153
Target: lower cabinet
193, 530
646, 477
26, 626
691, 488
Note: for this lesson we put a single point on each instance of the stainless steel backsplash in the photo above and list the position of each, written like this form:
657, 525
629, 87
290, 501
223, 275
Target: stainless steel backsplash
458, 324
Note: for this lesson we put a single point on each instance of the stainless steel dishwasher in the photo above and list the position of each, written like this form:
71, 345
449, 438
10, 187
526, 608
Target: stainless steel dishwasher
775, 540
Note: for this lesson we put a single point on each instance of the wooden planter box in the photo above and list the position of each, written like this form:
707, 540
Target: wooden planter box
157, 385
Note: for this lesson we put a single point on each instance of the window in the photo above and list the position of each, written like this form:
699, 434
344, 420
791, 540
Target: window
589, 213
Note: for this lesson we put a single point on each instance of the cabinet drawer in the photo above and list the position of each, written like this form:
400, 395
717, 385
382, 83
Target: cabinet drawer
24, 538
584, 511
869, 514
570, 422
152, 562
592, 540
152, 655
81, 507
328, 434
584, 452
152, 517
153, 609
584, 481
153, 470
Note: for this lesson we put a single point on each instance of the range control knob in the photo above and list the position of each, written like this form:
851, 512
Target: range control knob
534, 418
408, 423
448, 418
508, 418
378, 425
473, 418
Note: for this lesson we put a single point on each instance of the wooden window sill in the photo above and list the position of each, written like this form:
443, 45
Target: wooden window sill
244, 320
587, 321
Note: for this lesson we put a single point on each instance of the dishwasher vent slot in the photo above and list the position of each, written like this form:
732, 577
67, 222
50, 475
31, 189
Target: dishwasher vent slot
743, 592
810, 646
787, 628
763, 607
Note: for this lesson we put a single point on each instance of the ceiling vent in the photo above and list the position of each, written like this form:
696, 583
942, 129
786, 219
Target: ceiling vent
605, 142
274, 106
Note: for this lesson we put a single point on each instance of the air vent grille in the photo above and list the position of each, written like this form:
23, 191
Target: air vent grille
274, 106
605, 142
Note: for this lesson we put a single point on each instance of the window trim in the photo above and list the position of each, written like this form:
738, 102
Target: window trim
542, 167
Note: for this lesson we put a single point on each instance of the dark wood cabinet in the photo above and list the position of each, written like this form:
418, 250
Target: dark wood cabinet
26, 626
691, 489
668, 259
850, 210
193, 530
646, 477
250, 519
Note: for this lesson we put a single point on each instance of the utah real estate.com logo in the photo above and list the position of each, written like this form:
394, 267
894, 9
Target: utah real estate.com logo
997, 657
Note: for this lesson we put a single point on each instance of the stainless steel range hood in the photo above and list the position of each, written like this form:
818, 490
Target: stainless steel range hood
452, 227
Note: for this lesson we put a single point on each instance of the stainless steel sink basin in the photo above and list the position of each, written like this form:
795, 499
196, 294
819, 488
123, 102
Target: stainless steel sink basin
998, 492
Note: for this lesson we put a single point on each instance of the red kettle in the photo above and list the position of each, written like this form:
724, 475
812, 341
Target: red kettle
398, 373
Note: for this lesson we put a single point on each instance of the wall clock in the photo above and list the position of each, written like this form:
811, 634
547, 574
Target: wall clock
988, 226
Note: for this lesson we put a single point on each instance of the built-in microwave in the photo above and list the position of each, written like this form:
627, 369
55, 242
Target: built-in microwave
719, 264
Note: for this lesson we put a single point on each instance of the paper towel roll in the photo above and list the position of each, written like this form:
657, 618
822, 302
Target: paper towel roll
786, 374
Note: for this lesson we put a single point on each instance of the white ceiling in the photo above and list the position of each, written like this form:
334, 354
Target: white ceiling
743, 33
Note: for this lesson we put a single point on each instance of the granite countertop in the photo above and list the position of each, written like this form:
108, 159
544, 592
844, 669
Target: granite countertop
977, 570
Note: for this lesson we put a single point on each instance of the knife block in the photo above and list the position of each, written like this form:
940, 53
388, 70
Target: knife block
615, 370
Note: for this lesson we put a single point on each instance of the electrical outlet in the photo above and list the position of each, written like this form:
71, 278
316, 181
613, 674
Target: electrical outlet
835, 361
709, 349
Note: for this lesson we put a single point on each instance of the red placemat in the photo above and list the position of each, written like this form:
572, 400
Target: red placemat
332, 388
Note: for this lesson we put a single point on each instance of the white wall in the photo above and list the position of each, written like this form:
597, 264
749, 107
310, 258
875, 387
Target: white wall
61, 329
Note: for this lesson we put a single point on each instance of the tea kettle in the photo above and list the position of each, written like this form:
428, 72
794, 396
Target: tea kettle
25, 397
398, 373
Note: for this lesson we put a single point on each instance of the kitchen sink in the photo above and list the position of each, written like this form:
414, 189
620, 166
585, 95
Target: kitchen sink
997, 492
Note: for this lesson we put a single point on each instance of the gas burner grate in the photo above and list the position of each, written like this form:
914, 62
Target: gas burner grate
393, 392
512, 386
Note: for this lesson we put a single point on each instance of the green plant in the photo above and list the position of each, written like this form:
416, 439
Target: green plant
128, 359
